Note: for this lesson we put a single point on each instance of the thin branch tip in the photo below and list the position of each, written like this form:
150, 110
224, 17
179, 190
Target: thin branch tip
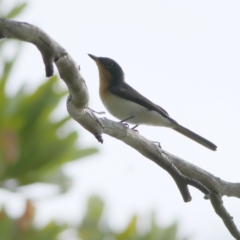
49, 71
99, 138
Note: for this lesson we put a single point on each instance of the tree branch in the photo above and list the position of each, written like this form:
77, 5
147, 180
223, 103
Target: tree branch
183, 172
217, 203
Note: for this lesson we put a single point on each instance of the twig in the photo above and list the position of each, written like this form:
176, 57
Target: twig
217, 203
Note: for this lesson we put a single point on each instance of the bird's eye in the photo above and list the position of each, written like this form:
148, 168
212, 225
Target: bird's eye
109, 65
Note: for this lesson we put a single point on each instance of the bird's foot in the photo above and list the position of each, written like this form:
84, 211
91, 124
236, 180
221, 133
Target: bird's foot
125, 124
134, 128
124, 121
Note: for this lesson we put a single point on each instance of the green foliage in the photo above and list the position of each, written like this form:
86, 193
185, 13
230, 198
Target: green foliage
89, 228
154, 233
130, 232
92, 227
24, 229
16, 10
160, 233
30, 148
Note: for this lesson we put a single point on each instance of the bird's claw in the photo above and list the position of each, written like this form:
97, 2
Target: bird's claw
134, 129
125, 124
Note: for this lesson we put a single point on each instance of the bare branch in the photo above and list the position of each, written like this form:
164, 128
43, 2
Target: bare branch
221, 211
183, 172
213, 183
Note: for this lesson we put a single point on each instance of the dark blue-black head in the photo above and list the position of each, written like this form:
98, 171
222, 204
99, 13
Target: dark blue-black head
108, 68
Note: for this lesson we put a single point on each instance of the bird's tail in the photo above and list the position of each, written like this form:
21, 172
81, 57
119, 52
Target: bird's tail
186, 132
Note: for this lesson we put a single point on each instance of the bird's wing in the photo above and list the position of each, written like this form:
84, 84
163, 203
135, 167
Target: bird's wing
123, 90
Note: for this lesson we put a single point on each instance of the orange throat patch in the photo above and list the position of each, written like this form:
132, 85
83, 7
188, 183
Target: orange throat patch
105, 81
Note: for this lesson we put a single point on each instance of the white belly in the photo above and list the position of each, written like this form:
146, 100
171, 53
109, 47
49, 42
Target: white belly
123, 109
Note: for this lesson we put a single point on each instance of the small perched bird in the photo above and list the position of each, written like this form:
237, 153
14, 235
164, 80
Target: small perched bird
128, 105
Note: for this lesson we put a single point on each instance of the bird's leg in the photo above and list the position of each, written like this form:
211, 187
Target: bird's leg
132, 116
134, 127
123, 121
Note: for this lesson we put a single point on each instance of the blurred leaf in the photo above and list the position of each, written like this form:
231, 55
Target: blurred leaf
92, 227
130, 232
24, 229
161, 233
30, 148
7, 226
56, 176
36, 150
16, 10
89, 228
7, 69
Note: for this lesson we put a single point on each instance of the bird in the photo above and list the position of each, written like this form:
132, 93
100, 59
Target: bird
128, 105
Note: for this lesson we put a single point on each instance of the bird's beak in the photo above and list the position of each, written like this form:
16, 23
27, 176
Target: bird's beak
93, 57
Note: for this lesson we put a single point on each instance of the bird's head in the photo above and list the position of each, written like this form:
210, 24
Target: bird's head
109, 70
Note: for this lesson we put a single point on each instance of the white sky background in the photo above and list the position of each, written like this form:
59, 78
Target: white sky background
184, 56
